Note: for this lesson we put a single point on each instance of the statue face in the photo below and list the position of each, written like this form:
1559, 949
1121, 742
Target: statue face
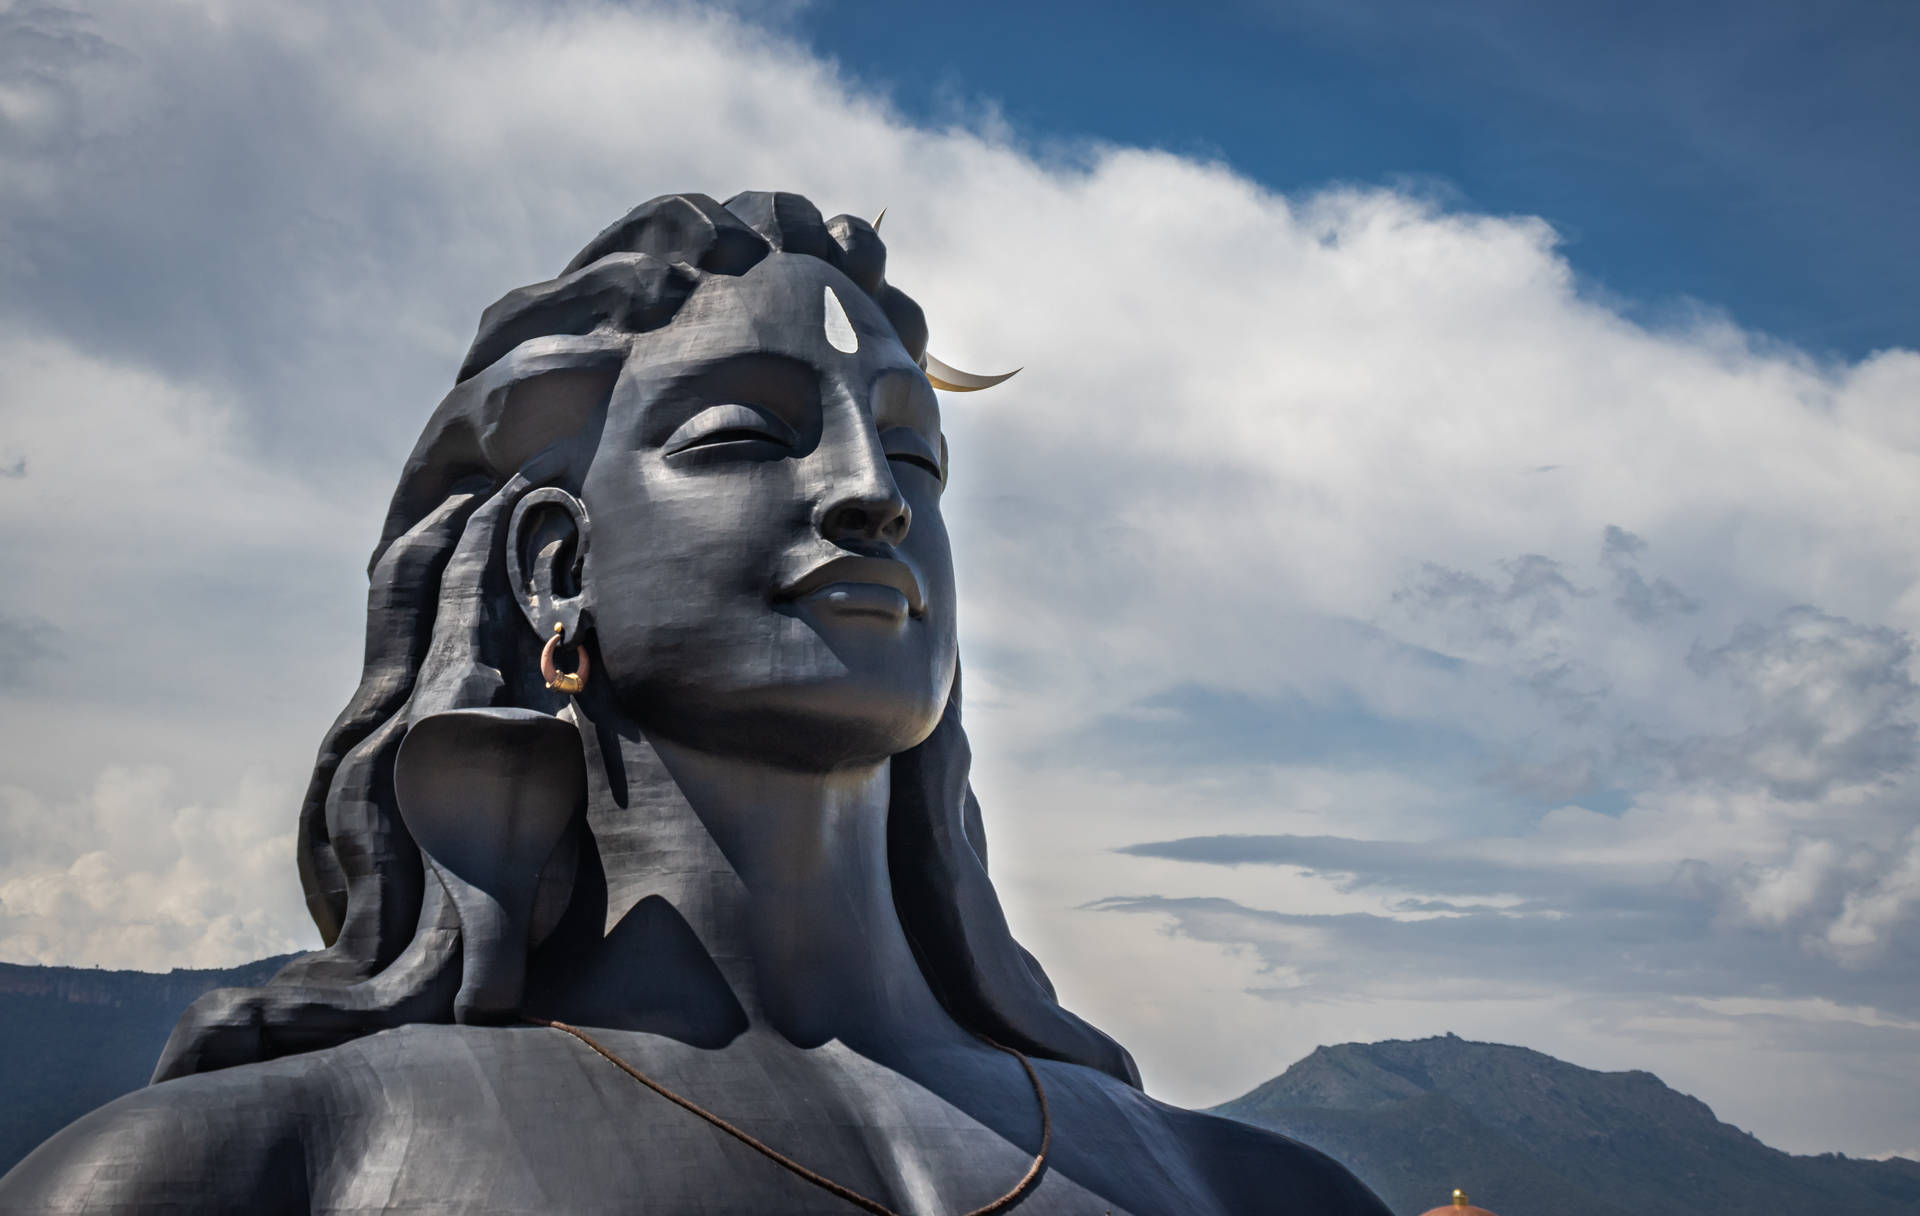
767, 571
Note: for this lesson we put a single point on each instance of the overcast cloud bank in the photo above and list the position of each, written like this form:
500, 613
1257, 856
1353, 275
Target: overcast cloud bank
1368, 632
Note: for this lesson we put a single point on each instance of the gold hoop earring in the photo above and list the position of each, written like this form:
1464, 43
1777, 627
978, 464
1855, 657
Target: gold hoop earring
572, 683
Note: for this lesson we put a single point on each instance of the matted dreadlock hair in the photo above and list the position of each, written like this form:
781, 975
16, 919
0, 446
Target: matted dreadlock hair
442, 634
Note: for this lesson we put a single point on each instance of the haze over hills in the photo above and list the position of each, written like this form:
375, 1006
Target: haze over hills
1523, 1133
79, 1037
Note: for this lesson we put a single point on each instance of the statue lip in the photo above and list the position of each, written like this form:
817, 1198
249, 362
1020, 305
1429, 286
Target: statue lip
856, 569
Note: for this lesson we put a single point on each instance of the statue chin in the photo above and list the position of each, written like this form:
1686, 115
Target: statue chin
818, 726
782, 738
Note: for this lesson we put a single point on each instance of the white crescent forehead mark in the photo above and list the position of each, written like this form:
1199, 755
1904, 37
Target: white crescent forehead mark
840, 333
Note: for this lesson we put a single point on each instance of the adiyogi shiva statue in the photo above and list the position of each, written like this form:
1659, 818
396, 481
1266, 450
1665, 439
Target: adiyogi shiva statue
645, 856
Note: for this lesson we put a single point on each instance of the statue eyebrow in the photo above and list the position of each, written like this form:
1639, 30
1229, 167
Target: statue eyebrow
789, 387
902, 397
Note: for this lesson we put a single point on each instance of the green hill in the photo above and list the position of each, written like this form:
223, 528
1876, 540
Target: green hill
76, 1037
1525, 1134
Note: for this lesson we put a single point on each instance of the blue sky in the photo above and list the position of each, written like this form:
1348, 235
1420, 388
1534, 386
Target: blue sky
1755, 157
1447, 565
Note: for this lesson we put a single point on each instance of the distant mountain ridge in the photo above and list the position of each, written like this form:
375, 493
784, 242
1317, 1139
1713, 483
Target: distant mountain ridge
1525, 1134
78, 1037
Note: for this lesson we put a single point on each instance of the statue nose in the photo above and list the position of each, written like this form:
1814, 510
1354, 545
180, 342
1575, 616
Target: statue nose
873, 519
859, 503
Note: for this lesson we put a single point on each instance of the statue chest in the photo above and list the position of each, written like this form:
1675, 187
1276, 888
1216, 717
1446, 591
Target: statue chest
515, 1121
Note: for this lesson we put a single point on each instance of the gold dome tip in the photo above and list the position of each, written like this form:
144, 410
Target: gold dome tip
1459, 1198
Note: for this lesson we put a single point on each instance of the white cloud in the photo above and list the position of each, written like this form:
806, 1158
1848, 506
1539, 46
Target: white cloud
1426, 533
1873, 910
1776, 896
129, 876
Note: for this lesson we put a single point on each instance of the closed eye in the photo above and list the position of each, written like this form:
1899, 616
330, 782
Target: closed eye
730, 423
905, 445
917, 461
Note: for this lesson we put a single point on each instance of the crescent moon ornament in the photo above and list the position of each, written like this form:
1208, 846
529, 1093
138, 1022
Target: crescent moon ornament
946, 376
939, 374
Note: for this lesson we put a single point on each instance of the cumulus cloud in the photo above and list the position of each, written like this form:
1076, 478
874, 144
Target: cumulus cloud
129, 875
1534, 594
1874, 910
1780, 895
1830, 705
1258, 544
1644, 601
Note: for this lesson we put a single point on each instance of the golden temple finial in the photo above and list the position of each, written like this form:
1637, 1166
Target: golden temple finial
1459, 1198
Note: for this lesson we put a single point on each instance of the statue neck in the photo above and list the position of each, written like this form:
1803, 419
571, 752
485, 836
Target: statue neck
771, 881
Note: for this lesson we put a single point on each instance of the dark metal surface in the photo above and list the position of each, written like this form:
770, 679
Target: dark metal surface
744, 854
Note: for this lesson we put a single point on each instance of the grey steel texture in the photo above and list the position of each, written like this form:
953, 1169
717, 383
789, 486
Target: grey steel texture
746, 854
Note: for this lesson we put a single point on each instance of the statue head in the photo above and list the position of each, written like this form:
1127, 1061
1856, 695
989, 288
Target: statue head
754, 547
709, 456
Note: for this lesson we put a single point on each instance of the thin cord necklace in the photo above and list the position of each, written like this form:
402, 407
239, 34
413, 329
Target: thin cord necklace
1002, 1204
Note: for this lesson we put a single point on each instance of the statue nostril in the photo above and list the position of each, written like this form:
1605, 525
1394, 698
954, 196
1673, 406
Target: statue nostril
844, 521
852, 522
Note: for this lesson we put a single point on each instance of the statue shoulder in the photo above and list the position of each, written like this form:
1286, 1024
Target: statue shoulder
227, 1141
1255, 1170
1154, 1156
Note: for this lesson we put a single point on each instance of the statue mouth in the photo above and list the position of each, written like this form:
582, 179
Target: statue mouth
862, 586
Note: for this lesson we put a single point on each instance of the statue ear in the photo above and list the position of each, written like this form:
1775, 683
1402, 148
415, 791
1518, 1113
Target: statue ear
546, 551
